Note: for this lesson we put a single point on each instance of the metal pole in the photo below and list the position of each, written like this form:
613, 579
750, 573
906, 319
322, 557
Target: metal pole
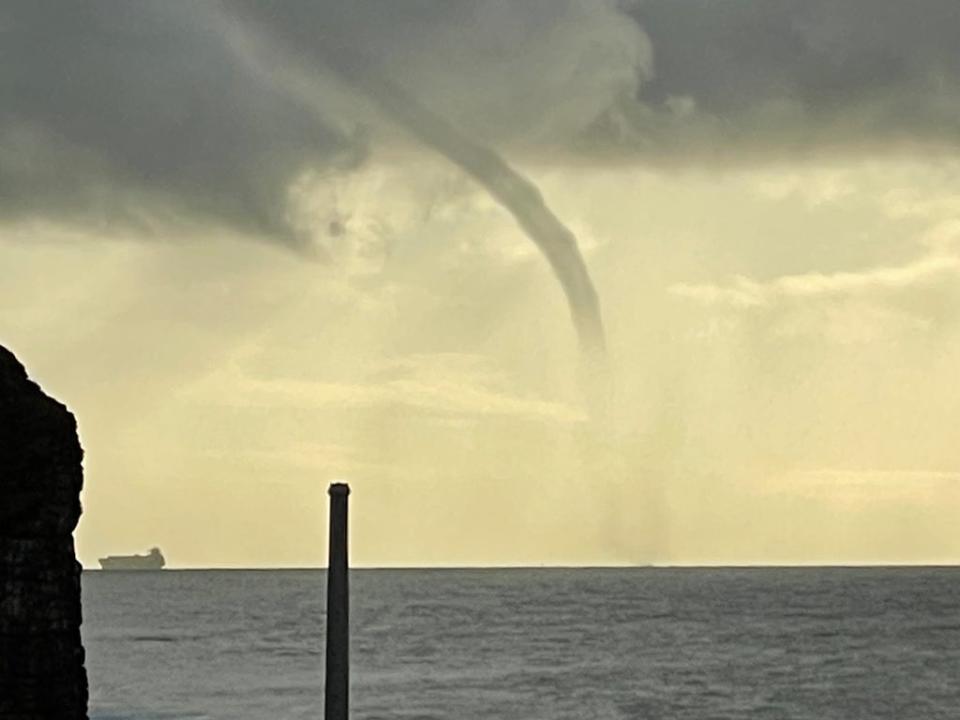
338, 603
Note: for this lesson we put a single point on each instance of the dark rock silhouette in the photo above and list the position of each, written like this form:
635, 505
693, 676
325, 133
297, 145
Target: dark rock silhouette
41, 656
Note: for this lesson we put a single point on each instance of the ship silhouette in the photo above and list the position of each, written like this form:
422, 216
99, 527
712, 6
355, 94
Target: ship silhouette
151, 561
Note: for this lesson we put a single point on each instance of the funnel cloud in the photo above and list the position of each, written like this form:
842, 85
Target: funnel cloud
516, 193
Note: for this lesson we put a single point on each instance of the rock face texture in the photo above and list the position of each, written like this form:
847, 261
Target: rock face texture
41, 656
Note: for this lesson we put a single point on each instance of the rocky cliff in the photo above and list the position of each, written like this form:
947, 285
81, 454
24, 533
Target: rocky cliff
41, 656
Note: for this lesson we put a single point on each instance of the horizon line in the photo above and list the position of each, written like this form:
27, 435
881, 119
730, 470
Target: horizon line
546, 566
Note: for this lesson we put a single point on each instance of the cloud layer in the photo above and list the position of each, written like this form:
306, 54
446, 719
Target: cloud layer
758, 80
160, 114
164, 114
139, 115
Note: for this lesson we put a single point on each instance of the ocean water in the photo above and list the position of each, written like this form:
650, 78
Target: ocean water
527, 644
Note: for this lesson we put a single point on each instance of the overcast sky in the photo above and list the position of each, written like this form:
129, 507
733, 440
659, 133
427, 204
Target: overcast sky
257, 247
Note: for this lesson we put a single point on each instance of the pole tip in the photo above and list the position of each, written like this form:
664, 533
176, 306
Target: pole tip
338, 488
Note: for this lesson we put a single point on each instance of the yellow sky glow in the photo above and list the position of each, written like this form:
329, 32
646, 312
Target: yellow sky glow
783, 353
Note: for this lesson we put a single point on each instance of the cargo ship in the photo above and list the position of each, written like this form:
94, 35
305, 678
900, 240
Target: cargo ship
151, 561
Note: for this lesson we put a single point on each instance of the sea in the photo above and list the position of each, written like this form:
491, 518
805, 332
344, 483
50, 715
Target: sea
526, 644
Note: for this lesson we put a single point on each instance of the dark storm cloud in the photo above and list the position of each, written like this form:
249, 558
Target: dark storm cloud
516, 74
768, 79
150, 113
140, 112
154, 113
